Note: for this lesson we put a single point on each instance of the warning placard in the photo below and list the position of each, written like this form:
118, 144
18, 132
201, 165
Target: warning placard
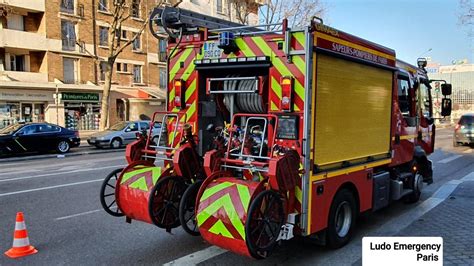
402, 251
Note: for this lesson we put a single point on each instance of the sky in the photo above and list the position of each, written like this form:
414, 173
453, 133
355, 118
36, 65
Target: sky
410, 27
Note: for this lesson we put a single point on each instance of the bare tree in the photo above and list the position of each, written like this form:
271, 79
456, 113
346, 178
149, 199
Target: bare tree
466, 17
243, 9
121, 12
298, 12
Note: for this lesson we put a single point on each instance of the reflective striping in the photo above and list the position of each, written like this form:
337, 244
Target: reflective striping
176, 65
226, 203
299, 194
21, 242
219, 229
300, 64
276, 87
192, 88
20, 226
213, 190
244, 194
273, 106
142, 179
244, 48
349, 170
353, 45
300, 38
263, 46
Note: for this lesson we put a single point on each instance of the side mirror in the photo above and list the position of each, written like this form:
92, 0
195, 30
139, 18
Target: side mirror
446, 89
128, 129
446, 106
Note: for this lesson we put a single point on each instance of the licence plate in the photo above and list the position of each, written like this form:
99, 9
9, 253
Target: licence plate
211, 50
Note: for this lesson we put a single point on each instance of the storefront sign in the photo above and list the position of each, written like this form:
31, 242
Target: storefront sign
26, 95
80, 97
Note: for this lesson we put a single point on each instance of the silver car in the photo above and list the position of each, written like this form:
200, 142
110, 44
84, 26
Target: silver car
464, 130
122, 134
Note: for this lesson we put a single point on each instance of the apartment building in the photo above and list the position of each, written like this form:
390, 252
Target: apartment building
52, 53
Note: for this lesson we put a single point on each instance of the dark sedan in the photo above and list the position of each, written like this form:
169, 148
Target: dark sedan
37, 137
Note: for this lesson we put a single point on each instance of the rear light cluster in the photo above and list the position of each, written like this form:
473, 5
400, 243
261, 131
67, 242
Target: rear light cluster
458, 126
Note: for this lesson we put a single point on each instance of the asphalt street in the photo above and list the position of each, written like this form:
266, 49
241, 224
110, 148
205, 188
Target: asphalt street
60, 200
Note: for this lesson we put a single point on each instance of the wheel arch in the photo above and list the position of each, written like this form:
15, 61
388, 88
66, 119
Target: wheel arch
353, 189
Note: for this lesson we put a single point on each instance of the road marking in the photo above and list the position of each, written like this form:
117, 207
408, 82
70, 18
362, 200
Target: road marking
60, 173
75, 215
198, 257
450, 159
468, 177
50, 187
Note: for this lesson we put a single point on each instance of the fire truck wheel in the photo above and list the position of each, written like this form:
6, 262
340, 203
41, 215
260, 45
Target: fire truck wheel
164, 201
342, 216
264, 221
416, 183
187, 214
107, 194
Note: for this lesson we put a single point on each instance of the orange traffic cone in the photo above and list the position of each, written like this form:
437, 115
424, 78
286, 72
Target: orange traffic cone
21, 243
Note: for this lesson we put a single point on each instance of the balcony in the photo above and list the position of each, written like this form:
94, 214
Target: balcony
23, 40
33, 77
32, 6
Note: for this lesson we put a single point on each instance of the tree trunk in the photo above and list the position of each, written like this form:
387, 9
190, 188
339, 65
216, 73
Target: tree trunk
104, 107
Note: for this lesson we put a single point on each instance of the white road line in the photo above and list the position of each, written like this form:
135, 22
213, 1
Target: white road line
75, 215
468, 177
450, 159
50, 187
197, 257
60, 173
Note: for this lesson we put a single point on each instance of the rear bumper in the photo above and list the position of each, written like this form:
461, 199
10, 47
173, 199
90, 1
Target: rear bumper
464, 138
99, 143
75, 142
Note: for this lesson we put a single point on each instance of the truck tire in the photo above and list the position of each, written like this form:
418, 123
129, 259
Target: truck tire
416, 183
341, 220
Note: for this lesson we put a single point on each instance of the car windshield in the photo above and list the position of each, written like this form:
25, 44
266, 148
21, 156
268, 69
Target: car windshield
467, 120
118, 126
10, 129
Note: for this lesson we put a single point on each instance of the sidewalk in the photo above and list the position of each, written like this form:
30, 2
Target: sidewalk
453, 219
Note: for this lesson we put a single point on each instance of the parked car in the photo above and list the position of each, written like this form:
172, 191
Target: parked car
37, 137
121, 134
464, 130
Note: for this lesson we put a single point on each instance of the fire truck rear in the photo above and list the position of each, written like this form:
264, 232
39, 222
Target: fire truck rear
320, 125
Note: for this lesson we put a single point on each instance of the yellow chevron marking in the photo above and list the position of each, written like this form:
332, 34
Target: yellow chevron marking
182, 58
219, 229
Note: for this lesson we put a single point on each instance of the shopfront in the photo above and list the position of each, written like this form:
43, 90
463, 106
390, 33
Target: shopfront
81, 110
23, 106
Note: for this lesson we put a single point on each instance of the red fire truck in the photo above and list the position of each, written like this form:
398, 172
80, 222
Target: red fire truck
319, 126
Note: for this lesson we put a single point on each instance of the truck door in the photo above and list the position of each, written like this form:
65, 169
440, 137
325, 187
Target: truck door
424, 111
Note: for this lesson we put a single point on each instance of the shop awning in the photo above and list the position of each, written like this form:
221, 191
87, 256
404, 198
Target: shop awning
155, 92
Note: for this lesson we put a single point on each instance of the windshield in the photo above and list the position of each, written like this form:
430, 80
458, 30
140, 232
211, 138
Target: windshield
119, 126
10, 129
466, 120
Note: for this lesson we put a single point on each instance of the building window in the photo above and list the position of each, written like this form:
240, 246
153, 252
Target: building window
122, 67
103, 36
135, 8
219, 6
17, 63
103, 5
69, 70
68, 35
124, 35
15, 22
102, 69
67, 6
162, 78
162, 45
137, 46
137, 74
